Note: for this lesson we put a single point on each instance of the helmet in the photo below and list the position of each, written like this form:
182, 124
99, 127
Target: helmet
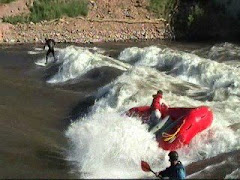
173, 155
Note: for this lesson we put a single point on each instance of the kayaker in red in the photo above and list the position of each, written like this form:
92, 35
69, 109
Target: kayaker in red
158, 110
179, 124
158, 103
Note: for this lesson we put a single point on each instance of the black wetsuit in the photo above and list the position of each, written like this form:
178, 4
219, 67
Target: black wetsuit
50, 43
174, 172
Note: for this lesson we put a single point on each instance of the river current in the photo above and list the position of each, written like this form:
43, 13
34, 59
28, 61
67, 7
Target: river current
66, 119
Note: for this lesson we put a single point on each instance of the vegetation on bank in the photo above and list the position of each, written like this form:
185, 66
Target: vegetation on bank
200, 20
162, 8
195, 14
51, 9
6, 1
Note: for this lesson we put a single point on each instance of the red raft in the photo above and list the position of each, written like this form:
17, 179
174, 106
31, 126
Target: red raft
185, 124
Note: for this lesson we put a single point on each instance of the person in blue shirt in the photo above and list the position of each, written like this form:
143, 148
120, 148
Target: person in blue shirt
176, 170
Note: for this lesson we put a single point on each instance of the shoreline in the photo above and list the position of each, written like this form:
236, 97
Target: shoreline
81, 30
138, 42
106, 21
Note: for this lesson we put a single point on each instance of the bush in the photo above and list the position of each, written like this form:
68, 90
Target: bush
6, 1
195, 14
51, 9
15, 19
162, 7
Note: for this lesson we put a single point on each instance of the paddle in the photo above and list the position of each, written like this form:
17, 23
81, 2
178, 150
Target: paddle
145, 167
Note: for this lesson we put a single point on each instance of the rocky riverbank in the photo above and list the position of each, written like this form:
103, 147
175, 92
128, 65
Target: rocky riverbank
81, 30
107, 20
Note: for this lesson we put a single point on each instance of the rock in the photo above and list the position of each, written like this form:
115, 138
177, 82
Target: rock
29, 3
1, 36
61, 20
138, 4
12, 40
93, 4
126, 13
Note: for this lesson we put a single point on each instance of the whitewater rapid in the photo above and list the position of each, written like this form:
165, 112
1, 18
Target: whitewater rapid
107, 144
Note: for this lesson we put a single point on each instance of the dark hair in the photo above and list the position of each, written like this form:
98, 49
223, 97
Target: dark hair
173, 155
159, 92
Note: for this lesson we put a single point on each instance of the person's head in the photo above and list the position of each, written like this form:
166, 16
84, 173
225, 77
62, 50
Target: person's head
173, 156
159, 92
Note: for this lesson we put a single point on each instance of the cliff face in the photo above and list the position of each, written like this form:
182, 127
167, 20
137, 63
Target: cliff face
204, 20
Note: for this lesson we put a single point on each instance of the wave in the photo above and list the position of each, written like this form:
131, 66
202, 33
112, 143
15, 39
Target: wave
77, 61
222, 52
234, 175
106, 144
221, 80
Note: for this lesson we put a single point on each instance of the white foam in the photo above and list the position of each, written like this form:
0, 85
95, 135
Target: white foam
234, 175
220, 78
111, 146
207, 144
136, 87
223, 52
76, 61
42, 61
34, 52
107, 144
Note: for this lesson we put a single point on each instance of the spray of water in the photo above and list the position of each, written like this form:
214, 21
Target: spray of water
107, 144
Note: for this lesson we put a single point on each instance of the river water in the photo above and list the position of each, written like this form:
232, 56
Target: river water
65, 120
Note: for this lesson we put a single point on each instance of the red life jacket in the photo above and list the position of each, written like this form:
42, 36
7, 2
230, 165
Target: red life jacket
157, 104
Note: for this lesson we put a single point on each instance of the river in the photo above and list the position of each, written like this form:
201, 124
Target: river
65, 120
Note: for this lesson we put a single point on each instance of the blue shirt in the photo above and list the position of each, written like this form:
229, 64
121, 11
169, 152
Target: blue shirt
174, 172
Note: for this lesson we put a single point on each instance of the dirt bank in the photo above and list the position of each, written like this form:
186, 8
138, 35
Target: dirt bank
107, 20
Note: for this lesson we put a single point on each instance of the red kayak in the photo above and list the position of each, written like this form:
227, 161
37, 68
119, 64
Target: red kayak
185, 124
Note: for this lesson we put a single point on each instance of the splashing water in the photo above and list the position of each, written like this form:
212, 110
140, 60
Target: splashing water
107, 144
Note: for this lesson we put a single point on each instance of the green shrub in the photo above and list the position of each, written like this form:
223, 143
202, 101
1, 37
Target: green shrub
51, 9
6, 1
15, 19
190, 19
162, 7
195, 14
